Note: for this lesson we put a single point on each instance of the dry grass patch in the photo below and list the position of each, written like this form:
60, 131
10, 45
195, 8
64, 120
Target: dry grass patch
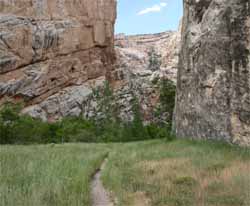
180, 173
140, 199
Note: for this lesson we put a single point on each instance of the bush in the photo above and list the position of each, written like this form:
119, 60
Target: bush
157, 132
8, 120
75, 129
23, 129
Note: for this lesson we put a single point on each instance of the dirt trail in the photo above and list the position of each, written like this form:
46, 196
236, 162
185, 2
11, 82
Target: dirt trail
100, 197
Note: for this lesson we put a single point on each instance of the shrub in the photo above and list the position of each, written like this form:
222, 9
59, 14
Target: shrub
158, 132
8, 119
23, 129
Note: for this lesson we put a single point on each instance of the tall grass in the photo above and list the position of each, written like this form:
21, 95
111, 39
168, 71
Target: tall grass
48, 175
179, 173
149, 173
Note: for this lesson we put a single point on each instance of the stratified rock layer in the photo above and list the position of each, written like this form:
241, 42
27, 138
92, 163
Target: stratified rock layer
213, 90
133, 51
135, 78
50, 49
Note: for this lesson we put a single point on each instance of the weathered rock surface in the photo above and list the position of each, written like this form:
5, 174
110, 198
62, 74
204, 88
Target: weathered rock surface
134, 75
50, 50
133, 50
54, 53
213, 89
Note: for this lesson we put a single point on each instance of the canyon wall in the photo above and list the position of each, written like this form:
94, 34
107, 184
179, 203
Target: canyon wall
135, 50
132, 79
133, 74
52, 52
213, 89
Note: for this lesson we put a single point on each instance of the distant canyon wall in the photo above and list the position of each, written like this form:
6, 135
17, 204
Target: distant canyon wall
213, 86
135, 49
53, 52
133, 74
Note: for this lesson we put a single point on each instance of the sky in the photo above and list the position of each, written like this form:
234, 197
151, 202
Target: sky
148, 16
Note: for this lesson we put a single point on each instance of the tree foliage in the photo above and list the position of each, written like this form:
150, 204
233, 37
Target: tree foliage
16, 128
154, 60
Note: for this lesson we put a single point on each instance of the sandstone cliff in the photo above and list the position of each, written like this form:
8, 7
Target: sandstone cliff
213, 90
133, 75
133, 50
52, 52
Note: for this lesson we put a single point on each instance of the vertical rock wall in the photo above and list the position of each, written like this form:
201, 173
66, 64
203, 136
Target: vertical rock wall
213, 89
137, 79
52, 51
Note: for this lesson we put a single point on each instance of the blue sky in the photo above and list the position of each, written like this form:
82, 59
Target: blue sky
148, 16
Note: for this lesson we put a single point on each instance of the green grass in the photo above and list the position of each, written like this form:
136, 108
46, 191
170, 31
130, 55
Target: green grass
179, 173
149, 173
48, 175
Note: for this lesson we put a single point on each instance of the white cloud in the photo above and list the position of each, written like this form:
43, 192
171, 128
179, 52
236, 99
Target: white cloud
154, 8
163, 4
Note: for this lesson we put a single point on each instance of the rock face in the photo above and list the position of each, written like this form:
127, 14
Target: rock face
213, 89
133, 50
52, 51
133, 75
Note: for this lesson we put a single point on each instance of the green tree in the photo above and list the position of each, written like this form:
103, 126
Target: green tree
108, 126
136, 129
106, 102
167, 100
154, 60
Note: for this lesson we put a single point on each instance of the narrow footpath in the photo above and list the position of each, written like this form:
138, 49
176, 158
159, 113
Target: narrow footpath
100, 197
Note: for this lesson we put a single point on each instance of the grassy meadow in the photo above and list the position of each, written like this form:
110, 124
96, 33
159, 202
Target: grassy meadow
179, 173
48, 175
147, 173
